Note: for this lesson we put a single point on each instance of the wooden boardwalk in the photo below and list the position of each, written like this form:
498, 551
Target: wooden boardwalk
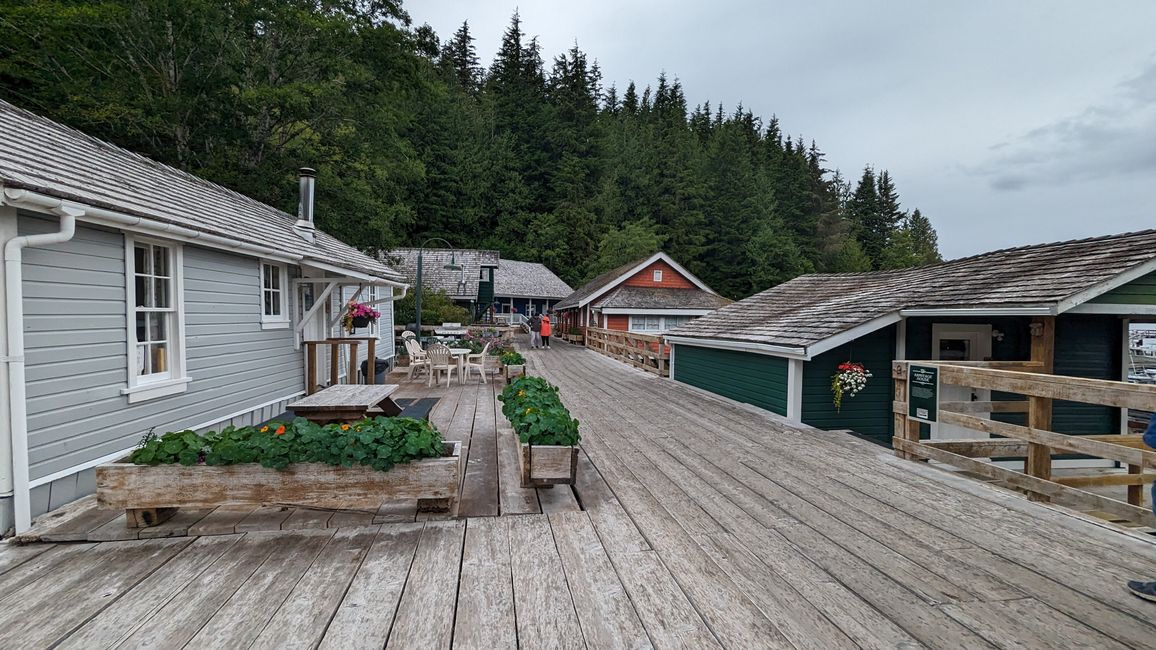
704, 524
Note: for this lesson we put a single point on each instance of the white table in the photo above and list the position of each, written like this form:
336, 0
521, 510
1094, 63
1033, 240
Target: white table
460, 354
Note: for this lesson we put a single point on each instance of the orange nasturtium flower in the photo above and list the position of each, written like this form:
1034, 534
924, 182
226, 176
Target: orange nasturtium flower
280, 430
264, 428
345, 427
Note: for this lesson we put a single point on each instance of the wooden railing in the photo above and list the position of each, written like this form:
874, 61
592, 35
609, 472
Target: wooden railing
312, 382
639, 350
575, 335
1036, 443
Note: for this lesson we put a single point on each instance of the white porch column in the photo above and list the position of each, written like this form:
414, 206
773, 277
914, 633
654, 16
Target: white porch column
795, 390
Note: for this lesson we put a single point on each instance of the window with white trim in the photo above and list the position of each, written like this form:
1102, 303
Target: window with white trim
656, 324
657, 275
274, 307
156, 323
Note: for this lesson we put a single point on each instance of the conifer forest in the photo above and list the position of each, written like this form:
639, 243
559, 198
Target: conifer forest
533, 154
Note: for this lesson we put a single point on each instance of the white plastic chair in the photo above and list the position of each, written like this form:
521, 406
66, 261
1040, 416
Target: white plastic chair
440, 360
477, 362
417, 357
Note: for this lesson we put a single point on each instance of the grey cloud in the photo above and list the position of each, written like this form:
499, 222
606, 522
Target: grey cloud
1116, 137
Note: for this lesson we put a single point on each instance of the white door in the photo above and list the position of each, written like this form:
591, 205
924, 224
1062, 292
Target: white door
960, 343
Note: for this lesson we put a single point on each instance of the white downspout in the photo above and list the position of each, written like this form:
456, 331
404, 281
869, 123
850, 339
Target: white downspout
14, 357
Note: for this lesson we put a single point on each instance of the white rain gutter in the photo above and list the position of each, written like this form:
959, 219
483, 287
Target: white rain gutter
14, 357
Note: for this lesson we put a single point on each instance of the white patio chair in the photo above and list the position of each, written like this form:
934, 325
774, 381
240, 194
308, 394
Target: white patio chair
418, 359
440, 360
408, 335
477, 362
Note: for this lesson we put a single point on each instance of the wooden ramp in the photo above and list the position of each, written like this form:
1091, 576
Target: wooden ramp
704, 524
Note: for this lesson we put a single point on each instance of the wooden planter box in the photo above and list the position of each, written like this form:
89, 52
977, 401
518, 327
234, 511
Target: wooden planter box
152, 493
513, 372
544, 465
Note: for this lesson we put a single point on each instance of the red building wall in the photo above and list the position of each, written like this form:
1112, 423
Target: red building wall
670, 278
620, 322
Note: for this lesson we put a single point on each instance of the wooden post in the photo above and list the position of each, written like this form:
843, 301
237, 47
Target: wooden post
351, 376
372, 378
334, 359
1039, 460
310, 367
1135, 492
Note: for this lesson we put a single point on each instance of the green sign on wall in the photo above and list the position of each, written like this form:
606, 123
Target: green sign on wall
922, 393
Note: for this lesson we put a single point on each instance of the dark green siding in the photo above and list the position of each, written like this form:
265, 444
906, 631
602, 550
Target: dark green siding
485, 292
1141, 291
756, 379
869, 412
1086, 346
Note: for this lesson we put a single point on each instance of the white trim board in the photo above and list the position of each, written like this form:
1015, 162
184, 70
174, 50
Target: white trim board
846, 336
1113, 309
629, 274
948, 312
55, 476
1118, 280
739, 346
653, 312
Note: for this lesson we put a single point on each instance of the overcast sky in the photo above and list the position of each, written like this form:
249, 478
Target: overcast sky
1006, 123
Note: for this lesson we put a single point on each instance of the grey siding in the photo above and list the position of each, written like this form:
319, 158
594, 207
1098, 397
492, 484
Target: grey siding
76, 348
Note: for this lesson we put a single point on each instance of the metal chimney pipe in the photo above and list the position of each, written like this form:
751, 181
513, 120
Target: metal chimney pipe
306, 179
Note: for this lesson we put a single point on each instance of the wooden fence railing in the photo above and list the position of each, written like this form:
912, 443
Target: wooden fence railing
1036, 443
575, 335
639, 350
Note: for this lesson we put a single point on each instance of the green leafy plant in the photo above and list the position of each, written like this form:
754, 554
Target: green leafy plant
536, 412
379, 443
513, 358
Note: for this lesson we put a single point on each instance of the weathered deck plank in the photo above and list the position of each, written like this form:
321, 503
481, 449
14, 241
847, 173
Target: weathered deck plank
366, 613
485, 618
545, 611
425, 616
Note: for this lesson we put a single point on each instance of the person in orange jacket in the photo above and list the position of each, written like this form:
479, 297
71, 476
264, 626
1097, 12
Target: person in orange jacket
547, 329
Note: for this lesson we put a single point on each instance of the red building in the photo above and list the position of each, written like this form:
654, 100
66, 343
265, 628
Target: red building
648, 296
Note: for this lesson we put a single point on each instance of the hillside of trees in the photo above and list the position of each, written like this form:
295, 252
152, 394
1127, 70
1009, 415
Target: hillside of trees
412, 137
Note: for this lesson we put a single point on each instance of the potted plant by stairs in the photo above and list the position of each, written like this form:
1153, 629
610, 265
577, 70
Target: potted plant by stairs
514, 364
548, 435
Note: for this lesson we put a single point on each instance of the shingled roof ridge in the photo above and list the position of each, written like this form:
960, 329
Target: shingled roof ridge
1046, 245
156, 164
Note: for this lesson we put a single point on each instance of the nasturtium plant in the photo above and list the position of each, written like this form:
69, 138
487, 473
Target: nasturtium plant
379, 442
512, 358
535, 410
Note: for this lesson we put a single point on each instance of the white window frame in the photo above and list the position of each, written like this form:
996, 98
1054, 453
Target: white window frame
656, 275
174, 381
269, 321
663, 325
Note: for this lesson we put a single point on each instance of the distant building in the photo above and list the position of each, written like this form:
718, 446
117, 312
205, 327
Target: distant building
649, 296
485, 280
527, 288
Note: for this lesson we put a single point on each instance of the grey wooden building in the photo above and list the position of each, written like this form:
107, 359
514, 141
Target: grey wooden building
138, 297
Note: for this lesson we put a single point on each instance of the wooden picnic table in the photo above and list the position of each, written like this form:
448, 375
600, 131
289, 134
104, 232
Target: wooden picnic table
347, 402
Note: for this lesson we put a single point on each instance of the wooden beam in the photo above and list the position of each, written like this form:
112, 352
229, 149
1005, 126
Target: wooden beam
1106, 480
1017, 480
1003, 406
1057, 441
992, 448
1075, 389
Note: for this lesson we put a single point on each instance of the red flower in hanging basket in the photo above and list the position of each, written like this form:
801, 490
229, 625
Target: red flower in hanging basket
848, 380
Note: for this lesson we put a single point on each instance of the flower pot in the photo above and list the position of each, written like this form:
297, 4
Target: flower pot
515, 371
361, 321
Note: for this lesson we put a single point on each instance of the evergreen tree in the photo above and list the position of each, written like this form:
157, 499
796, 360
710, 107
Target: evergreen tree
461, 57
633, 241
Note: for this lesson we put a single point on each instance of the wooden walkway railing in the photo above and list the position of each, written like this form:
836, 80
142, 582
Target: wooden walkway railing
639, 350
1036, 443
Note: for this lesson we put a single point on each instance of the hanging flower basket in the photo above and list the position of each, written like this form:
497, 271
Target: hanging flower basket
359, 315
848, 380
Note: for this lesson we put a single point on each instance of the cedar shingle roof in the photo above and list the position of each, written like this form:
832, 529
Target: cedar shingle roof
815, 307
516, 279
594, 286
40, 155
625, 297
459, 285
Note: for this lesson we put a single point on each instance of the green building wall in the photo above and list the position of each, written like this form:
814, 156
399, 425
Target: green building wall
1141, 291
868, 413
756, 379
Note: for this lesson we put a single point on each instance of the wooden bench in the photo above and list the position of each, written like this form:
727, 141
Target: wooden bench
346, 403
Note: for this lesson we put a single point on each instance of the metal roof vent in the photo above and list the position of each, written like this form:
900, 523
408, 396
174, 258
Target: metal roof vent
306, 180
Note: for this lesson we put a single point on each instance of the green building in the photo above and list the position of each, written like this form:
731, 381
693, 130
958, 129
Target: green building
779, 349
